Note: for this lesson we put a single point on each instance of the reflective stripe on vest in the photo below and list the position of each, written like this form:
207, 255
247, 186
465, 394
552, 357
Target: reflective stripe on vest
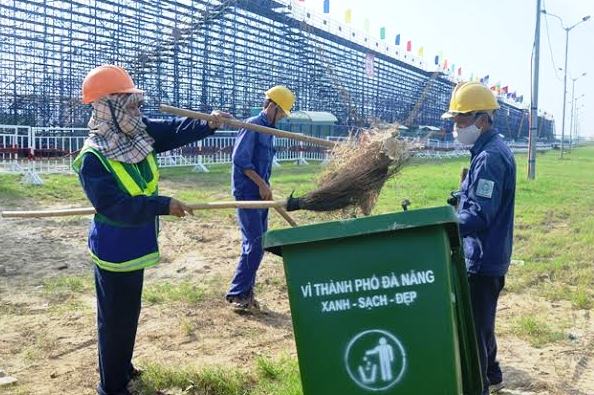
128, 175
134, 264
131, 180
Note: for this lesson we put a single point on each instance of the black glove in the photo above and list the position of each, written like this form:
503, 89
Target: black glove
293, 203
454, 198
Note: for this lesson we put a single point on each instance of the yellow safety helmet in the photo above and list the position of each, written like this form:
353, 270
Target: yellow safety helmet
282, 96
470, 97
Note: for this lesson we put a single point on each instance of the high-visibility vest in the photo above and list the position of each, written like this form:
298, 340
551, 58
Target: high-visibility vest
116, 246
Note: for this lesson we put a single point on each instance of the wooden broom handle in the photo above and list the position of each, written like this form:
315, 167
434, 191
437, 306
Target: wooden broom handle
283, 213
196, 206
244, 125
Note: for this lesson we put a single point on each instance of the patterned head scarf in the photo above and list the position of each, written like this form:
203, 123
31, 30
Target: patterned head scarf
117, 130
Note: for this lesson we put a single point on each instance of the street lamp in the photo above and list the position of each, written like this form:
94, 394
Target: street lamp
567, 30
573, 100
572, 124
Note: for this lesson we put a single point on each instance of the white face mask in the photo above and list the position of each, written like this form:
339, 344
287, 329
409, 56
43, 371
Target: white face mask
467, 135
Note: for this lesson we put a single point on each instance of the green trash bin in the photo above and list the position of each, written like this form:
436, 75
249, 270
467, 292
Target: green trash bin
380, 305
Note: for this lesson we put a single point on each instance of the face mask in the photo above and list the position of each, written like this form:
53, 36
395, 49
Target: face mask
467, 135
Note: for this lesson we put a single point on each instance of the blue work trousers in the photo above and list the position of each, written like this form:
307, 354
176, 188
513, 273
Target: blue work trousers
118, 308
484, 293
253, 223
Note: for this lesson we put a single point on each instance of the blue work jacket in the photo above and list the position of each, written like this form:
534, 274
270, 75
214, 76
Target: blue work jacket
123, 233
251, 151
486, 207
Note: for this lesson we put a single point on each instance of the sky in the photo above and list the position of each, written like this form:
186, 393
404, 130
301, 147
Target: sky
495, 38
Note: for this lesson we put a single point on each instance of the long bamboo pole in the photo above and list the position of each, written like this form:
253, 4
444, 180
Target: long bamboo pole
244, 125
280, 204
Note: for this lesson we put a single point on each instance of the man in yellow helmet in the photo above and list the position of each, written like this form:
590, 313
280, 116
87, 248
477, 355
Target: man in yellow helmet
118, 171
485, 213
252, 158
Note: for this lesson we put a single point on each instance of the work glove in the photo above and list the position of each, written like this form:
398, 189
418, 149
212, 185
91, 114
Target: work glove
454, 198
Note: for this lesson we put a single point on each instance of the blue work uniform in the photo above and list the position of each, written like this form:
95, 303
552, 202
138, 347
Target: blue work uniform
486, 222
251, 151
123, 241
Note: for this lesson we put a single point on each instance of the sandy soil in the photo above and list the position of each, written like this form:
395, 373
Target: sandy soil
49, 344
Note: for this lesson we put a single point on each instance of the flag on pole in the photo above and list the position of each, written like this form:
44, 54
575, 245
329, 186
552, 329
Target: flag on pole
382, 33
436, 59
445, 64
326, 6
348, 15
369, 65
459, 71
397, 41
421, 52
409, 45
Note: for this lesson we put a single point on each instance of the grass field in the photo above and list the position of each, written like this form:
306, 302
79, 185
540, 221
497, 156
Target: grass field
552, 259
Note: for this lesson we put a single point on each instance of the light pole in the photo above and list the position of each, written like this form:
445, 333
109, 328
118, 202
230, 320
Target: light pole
573, 80
567, 30
572, 124
533, 122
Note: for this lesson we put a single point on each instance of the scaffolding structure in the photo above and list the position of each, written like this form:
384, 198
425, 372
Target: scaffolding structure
223, 54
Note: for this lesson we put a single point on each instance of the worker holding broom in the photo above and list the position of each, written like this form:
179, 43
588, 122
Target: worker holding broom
252, 158
118, 171
486, 215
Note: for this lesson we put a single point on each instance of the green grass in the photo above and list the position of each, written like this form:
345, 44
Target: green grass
184, 292
210, 381
277, 376
56, 189
536, 331
66, 287
269, 376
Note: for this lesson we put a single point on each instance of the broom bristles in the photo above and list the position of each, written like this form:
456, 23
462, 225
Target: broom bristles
356, 173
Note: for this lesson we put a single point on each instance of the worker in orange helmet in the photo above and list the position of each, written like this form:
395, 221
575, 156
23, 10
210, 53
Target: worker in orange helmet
118, 171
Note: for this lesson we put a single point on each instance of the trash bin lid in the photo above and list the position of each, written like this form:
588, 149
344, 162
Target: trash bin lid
391, 222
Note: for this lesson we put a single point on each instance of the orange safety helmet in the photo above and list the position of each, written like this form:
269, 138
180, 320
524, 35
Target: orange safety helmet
106, 80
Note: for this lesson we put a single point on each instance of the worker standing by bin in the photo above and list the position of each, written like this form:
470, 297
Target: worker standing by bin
252, 158
118, 171
485, 214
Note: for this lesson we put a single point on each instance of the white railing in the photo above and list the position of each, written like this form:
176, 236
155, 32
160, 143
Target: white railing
15, 141
52, 150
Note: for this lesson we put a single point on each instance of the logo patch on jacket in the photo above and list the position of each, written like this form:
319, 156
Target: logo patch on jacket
484, 188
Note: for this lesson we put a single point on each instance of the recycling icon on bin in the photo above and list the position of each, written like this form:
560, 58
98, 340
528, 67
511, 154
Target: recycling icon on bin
375, 360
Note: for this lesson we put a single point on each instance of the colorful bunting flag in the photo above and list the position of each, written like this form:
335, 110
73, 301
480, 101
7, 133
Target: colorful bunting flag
409, 45
348, 15
421, 52
397, 41
369, 65
382, 33
326, 6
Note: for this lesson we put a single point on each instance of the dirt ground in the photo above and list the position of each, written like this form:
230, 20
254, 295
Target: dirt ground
49, 345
